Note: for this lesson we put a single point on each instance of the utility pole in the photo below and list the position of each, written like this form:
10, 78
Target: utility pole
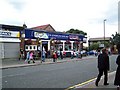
104, 30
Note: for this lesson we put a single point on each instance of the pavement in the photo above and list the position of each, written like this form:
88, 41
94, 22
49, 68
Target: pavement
90, 84
13, 63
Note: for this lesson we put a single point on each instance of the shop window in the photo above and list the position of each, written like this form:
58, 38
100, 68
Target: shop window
58, 46
67, 47
34, 47
30, 47
26, 47
75, 46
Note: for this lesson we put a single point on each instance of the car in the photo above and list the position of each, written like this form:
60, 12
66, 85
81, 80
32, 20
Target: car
83, 53
91, 52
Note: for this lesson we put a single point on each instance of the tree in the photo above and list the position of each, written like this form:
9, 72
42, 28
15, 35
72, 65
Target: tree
116, 40
76, 31
94, 46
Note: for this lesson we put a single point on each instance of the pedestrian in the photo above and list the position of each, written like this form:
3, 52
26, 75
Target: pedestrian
72, 54
48, 54
103, 67
77, 54
31, 57
21, 54
43, 55
58, 54
28, 56
61, 55
117, 76
98, 53
54, 56
64, 54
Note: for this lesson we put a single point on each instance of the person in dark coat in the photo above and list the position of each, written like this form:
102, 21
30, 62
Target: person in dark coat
61, 56
117, 76
103, 67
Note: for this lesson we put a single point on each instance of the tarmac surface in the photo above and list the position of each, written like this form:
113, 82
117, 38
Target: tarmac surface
88, 84
13, 63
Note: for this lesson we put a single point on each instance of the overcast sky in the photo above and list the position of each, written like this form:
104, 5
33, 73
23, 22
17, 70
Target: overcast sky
86, 15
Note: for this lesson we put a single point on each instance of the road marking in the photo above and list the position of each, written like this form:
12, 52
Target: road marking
12, 75
86, 82
81, 84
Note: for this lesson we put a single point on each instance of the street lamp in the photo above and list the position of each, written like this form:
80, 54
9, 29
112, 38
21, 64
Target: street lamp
104, 30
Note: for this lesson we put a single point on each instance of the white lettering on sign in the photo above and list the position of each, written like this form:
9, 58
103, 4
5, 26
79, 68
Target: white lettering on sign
9, 34
5, 33
40, 35
84, 39
73, 37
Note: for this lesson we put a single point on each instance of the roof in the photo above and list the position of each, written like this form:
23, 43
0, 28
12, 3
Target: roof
99, 39
43, 27
11, 27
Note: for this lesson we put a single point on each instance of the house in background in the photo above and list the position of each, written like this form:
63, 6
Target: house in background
46, 27
99, 40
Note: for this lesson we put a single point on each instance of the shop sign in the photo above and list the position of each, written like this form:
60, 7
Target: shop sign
9, 34
101, 45
58, 36
84, 39
72, 37
41, 35
32, 34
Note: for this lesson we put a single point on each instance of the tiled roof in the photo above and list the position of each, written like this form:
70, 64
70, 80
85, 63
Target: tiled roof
41, 27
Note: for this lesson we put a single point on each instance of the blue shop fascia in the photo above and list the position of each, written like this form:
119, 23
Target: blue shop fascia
53, 41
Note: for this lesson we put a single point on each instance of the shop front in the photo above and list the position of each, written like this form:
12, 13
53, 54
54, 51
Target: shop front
53, 41
9, 44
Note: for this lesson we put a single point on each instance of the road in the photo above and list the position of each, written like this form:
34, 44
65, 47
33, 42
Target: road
58, 75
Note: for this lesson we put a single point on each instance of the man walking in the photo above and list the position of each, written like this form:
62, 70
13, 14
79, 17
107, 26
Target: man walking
103, 67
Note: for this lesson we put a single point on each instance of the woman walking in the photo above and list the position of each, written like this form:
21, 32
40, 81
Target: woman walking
31, 57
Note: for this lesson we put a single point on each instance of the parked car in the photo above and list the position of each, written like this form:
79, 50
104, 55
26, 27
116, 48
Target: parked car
83, 53
91, 52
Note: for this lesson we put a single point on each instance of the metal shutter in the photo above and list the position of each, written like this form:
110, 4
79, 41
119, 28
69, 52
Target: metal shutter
11, 50
1, 50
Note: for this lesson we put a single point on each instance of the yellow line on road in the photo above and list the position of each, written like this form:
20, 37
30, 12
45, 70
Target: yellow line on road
81, 84
87, 82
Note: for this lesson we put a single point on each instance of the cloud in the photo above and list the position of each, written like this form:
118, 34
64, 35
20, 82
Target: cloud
17, 4
86, 15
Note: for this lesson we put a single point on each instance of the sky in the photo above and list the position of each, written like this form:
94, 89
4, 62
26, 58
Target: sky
85, 15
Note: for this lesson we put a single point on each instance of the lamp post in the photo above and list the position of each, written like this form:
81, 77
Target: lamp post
104, 30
